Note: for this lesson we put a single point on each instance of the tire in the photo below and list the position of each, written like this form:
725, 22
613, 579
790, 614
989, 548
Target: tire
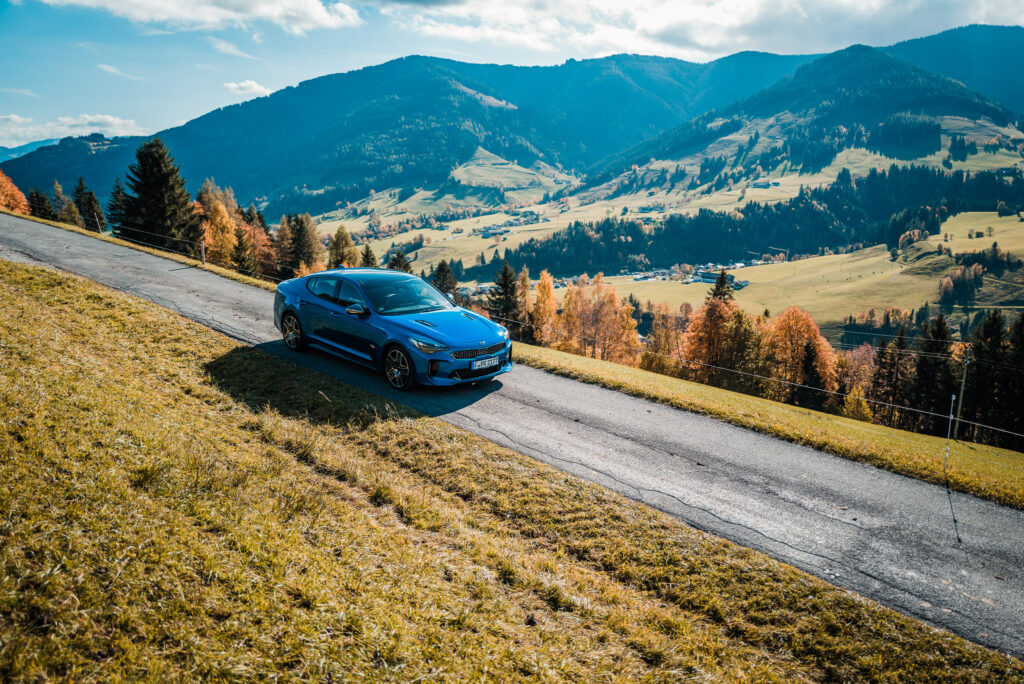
398, 369
291, 332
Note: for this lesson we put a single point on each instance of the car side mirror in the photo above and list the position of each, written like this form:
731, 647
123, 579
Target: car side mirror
355, 309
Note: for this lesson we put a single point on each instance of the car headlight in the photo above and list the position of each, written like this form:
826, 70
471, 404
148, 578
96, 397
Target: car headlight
427, 346
503, 331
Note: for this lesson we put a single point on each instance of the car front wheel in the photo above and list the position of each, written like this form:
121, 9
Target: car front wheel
291, 331
398, 369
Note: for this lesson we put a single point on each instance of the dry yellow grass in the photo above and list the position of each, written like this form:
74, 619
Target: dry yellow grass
178, 506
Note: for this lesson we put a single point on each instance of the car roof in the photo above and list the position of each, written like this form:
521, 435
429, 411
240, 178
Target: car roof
368, 276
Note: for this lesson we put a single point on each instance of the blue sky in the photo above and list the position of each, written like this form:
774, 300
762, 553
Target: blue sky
70, 67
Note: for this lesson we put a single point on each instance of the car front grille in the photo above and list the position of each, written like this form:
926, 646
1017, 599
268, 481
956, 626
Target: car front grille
473, 353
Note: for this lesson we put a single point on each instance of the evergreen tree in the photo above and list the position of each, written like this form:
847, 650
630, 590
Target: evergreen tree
306, 246
242, 256
67, 212
367, 259
722, 289
501, 300
1013, 382
40, 206
116, 206
158, 209
398, 262
284, 247
934, 378
983, 393
342, 251
443, 278
809, 396
89, 207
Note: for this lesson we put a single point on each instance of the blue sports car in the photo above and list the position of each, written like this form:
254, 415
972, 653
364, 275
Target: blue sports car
394, 322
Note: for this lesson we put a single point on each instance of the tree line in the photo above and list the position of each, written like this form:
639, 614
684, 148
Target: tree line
153, 208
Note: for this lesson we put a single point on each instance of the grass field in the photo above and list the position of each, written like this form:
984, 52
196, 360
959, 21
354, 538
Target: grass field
833, 287
180, 506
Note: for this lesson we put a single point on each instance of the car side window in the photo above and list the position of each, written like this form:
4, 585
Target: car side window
349, 294
324, 288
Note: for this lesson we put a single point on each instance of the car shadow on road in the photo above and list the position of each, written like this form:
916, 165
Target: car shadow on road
247, 377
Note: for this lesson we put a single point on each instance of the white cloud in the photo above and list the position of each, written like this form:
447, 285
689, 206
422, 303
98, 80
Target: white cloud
19, 91
18, 130
117, 72
692, 29
226, 48
248, 88
294, 16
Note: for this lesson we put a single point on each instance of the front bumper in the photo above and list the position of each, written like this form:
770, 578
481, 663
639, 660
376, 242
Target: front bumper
442, 370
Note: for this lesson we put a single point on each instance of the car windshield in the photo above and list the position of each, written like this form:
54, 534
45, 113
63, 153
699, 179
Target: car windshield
393, 297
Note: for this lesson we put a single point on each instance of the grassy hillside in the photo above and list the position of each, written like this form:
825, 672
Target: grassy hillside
833, 287
180, 506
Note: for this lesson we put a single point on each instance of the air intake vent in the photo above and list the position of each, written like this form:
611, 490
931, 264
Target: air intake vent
469, 316
426, 323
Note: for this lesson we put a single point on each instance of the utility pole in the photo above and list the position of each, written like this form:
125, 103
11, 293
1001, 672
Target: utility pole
945, 467
963, 381
202, 250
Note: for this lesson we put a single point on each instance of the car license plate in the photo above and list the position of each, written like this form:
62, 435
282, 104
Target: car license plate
485, 363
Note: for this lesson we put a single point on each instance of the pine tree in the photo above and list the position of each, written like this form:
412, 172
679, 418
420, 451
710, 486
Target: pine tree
242, 256
983, 393
306, 246
342, 251
722, 289
116, 206
284, 247
367, 259
398, 262
501, 300
40, 206
443, 278
158, 209
89, 207
1013, 382
67, 212
934, 378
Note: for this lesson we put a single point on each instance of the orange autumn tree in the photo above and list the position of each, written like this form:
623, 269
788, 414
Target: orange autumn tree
664, 350
219, 233
595, 323
795, 352
705, 338
11, 198
545, 310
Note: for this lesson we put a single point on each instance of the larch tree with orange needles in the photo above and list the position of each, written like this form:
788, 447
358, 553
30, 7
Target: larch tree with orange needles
545, 310
219, 233
795, 352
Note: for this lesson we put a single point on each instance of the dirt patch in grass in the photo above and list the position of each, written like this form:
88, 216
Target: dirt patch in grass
177, 505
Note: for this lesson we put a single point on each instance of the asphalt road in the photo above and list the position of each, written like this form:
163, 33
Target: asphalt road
885, 536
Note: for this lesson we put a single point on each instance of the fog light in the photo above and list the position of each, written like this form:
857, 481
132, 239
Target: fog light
432, 367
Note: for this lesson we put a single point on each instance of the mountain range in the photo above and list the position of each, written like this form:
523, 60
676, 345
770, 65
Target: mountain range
411, 122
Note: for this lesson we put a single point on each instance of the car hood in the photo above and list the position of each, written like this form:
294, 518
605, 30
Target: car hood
453, 327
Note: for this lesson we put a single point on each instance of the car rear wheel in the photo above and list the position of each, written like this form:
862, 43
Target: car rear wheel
398, 369
291, 331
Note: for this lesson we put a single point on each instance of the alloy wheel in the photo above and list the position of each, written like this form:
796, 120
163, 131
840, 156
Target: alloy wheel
397, 369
